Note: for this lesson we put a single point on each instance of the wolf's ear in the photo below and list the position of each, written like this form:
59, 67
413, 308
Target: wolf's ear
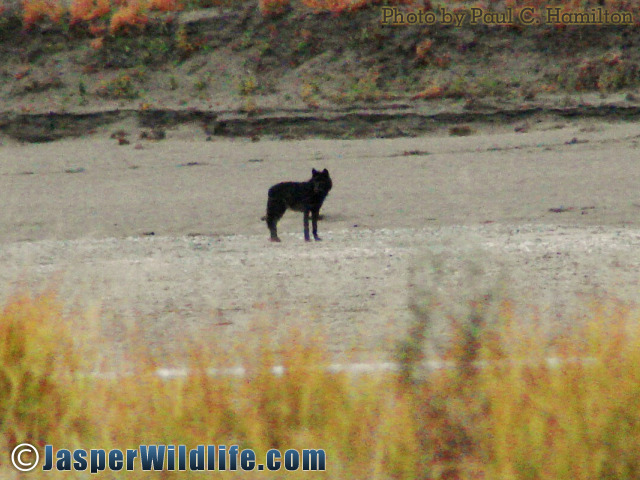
325, 172
314, 172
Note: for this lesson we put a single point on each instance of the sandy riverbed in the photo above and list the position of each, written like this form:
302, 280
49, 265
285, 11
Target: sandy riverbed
79, 214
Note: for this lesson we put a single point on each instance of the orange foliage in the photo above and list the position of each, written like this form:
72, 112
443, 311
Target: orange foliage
34, 11
97, 43
442, 61
339, 6
433, 91
88, 10
23, 72
611, 59
165, 5
80, 9
97, 30
423, 49
130, 15
273, 7
334, 6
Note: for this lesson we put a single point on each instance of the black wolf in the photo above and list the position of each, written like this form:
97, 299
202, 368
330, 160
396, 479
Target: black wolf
305, 197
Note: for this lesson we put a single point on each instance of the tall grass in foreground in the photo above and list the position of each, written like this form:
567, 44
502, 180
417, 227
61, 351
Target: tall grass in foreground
511, 405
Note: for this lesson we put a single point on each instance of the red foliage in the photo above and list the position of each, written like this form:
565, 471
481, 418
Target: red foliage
88, 10
165, 5
133, 14
339, 6
34, 11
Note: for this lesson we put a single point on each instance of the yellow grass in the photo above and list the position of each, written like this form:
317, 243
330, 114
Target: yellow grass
512, 404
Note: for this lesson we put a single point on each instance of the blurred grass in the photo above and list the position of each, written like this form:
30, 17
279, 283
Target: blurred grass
511, 404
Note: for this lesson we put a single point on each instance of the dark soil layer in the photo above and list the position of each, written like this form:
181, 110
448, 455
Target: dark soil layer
36, 128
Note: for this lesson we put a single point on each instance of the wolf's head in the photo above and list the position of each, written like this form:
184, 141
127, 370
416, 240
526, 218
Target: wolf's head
321, 181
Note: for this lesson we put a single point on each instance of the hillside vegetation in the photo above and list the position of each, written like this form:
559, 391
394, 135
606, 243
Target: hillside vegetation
314, 54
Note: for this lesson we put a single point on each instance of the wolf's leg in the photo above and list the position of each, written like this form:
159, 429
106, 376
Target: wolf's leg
314, 224
275, 211
306, 225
